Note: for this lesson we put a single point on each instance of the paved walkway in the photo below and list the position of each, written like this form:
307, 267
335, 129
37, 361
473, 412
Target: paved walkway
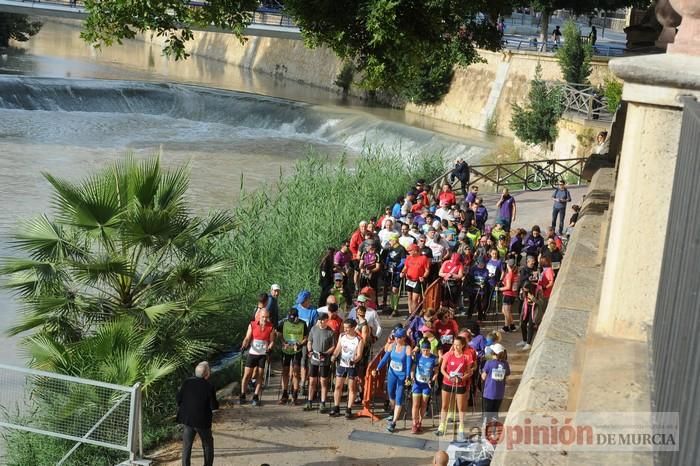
286, 435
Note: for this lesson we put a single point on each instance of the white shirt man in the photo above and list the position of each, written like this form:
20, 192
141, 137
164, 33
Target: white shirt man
386, 233
437, 245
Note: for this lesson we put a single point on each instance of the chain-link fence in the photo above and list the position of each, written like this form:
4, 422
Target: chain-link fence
71, 408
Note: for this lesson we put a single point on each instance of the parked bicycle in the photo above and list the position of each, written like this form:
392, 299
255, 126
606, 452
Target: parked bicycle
541, 176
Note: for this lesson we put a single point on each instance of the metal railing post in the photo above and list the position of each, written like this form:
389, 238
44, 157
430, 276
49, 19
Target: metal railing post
134, 431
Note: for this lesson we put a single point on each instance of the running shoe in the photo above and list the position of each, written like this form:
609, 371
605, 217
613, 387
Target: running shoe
348, 413
521, 343
415, 429
391, 427
256, 401
284, 399
335, 411
505, 328
308, 406
513, 327
439, 432
324, 408
526, 347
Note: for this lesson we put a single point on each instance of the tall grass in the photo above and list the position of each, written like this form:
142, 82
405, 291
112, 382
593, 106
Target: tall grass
280, 239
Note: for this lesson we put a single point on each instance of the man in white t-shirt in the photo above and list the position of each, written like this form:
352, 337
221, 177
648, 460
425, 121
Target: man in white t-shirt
386, 232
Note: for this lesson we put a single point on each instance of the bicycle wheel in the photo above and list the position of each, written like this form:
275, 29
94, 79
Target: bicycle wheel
534, 182
554, 181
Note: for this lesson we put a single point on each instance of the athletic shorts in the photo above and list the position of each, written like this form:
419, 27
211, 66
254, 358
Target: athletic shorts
459, 390
421, 388
508, 299
286, 358
256, 360
319, 371
342, 371
415, 289
393, 279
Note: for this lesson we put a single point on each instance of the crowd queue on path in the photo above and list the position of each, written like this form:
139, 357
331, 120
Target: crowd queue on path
481, 260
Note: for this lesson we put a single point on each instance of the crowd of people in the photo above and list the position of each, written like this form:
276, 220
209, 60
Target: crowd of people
477, 257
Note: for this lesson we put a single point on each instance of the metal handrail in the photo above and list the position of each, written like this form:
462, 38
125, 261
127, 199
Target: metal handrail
584, 99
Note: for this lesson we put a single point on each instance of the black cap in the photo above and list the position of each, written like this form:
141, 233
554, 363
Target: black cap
293, 312
323, 316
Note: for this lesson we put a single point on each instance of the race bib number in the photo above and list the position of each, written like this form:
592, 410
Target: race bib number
317, 357
259, 346
422, 377
556, 265
498, 374
396, 366
446, 339
411, 283
456, 374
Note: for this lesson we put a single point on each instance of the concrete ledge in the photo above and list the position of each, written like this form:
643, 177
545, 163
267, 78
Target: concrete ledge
547, 380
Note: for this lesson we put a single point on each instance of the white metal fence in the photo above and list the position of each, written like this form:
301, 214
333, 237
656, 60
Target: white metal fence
71, 408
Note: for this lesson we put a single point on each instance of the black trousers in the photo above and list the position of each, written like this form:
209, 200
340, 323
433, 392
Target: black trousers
207, 444
491, 408
527, 328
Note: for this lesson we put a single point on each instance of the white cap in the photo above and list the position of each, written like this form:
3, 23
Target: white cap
275, 287
497, 348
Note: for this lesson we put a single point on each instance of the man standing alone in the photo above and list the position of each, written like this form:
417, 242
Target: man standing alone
461, 172
196, 400
561, 197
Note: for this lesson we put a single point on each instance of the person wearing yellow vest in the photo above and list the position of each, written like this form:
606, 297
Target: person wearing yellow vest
294, 333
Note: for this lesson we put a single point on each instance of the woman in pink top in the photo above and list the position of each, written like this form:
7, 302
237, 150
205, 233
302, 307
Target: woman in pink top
452, 273
546, 282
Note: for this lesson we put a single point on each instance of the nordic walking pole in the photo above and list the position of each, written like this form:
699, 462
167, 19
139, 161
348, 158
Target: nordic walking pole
454, 412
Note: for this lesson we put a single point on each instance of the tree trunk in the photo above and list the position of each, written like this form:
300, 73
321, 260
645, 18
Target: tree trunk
544, 29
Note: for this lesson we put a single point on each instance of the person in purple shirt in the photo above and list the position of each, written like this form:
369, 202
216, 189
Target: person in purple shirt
516, 244
534, 242
471, 196
481, 214
494, 375
506, 209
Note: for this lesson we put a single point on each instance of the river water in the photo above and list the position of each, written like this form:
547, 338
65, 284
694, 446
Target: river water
58, 114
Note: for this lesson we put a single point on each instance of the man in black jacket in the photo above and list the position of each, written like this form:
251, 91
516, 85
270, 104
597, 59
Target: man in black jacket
196, 400
461, 172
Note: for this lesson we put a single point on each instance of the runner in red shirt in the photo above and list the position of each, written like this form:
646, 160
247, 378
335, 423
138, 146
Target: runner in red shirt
457, 368
261, 337
447, 196
446, 329
415, 271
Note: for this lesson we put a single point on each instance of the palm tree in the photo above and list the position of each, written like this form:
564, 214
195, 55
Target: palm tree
117, 285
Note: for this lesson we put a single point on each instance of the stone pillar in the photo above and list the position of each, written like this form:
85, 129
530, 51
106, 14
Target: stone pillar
653, 88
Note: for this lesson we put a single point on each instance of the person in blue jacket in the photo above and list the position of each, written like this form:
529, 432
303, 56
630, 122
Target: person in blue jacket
426, 371
398, 355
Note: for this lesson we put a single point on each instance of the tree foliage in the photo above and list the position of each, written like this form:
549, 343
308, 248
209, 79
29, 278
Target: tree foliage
116, 286
405, 46
574, 56
537, 122
16, 27
111, 21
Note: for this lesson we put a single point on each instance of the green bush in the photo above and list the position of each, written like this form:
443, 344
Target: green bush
613, 93
574, 56
537, 122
